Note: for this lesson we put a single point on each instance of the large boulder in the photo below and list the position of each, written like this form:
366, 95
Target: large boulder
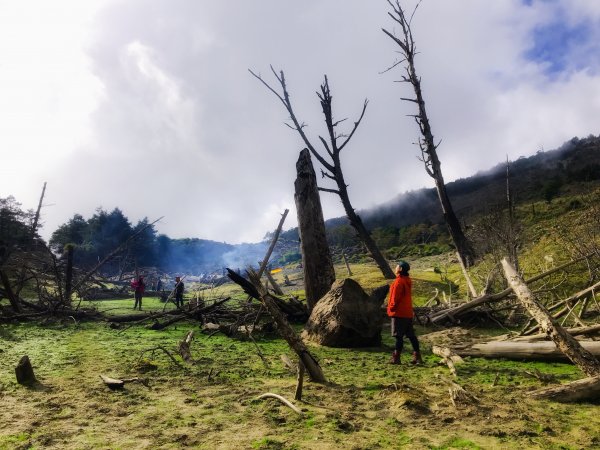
346, 317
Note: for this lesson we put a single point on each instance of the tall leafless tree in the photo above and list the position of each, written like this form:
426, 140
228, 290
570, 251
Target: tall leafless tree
426, 141
333, 145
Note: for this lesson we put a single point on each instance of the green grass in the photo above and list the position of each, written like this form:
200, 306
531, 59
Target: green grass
367, 404
212, 403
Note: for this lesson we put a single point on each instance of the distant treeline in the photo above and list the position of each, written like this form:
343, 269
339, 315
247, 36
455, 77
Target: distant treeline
97, 236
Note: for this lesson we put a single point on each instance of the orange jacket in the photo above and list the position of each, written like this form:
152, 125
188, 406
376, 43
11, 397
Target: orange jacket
400, 302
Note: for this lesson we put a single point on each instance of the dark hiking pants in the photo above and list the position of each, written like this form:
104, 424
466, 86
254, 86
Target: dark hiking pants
403, 326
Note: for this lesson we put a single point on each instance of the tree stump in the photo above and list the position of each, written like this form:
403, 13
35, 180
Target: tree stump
24, 372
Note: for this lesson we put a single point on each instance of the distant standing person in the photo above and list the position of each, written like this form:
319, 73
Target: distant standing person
138, 291
179, 292
159, 285
400, 310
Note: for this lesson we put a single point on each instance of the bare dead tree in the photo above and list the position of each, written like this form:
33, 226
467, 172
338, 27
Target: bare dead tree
513, 241
34, 228
426, 142
333, 145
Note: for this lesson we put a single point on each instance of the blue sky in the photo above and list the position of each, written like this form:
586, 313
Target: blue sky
555, 44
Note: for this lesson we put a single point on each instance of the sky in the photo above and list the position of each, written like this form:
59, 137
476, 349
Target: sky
148, 105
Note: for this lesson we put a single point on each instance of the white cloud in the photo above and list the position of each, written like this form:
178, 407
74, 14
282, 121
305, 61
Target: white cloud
148, 105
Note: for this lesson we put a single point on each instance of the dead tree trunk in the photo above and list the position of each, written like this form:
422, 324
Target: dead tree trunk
333, 168
12, 297
33, 232
347, 265
319, 274
586, 389
276, 287
433, 166
255, 289
563, 340
69, 274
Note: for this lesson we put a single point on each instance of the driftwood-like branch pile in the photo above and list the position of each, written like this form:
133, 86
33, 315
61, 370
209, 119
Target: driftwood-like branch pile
500, 307
561, 345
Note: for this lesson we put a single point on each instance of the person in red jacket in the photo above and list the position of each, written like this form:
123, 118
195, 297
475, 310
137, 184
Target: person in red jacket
138, 291
400, 310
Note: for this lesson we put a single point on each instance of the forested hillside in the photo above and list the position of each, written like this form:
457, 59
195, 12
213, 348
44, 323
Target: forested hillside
413, 220
543, 176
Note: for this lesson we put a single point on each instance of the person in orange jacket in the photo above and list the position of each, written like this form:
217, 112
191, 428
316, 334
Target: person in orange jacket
400, 310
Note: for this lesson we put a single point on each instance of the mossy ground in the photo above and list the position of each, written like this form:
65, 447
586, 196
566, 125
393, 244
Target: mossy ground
211, 404
367, 403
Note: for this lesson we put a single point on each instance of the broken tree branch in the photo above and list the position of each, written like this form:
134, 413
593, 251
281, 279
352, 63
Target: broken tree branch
281, 399
563, 340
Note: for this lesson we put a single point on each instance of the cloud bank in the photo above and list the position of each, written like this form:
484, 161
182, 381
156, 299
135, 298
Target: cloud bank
148, 105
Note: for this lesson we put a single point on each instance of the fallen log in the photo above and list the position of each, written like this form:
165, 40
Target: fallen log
577, 331
112, 383
255, 288
563, 340
584, 389
545, 351
453, 313
566, 303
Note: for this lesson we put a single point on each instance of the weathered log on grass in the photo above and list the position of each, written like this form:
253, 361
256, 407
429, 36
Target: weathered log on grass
544, 351
24, 372
282, 400
585, 389
563, 340
135, 317
577, 331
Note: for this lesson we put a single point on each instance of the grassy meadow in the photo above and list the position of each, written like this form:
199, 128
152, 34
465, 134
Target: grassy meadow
366, 403
212, 404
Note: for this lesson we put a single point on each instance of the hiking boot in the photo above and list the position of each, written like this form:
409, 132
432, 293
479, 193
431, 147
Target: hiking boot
395, 359
416, 359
